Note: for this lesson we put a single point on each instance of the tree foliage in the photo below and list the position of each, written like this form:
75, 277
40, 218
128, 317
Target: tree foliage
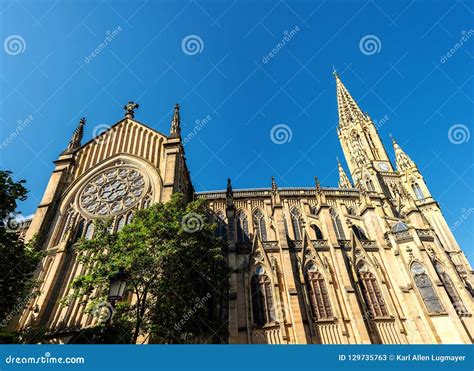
175, 273
17, 259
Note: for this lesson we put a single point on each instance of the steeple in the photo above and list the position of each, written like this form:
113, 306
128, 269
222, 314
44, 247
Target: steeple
344, 181
404, 162
175, 131
361, 143
76, 138
349, 111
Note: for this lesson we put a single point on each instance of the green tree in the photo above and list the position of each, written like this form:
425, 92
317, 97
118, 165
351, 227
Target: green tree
175, 273
17, 259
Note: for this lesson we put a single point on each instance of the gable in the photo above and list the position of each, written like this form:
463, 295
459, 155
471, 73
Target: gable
126, 136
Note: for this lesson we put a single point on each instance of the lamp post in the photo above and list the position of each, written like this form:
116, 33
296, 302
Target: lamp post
116, 290
117, 287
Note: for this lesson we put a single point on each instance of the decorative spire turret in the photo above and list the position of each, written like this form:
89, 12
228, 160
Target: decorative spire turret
130, 108
175, 131
229, 194
76, 138
344, 181
404, 162
317, 184
349, 111
275, 193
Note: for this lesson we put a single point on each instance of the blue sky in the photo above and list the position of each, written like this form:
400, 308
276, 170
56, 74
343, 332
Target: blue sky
49, 79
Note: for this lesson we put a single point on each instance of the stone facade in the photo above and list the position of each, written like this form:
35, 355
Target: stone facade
371, 261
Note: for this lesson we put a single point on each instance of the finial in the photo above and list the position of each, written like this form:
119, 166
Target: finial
130, 108
175, 131
274, 185
76, 138
334, 72
317, 184
229, 186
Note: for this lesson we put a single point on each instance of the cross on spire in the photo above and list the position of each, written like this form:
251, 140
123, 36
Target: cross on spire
130, 108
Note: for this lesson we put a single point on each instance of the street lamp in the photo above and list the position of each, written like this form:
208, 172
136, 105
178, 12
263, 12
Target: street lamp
117, 287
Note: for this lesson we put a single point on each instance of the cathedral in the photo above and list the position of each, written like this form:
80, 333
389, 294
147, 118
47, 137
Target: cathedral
369, 261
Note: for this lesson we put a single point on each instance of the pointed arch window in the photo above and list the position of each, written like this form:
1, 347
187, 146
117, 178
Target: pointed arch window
370, 185
317, 232
129, 218
80, 230
359, 232
89, 231
262, 298
371, 293
336, 222
259, 223
120, 223
242, 227
221, 230
426, 289
417, 190
318, 293
450, 289
296, 223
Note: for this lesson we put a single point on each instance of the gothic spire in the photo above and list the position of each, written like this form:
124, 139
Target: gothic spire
403, 160
175, 131
344, 181
349, 111
76, 138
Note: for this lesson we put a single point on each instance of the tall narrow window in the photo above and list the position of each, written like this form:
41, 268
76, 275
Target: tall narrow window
296, 223
221, 230
317, 232
359, 232
336, 222
418, 192
242, 227
120, 223
89, 231
450, 289
262, 298
129, 218
318, 293
259, 223
370, 185
80, 230
372, 295
426, 289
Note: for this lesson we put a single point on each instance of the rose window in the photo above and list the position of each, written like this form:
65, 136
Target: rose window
112, 192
